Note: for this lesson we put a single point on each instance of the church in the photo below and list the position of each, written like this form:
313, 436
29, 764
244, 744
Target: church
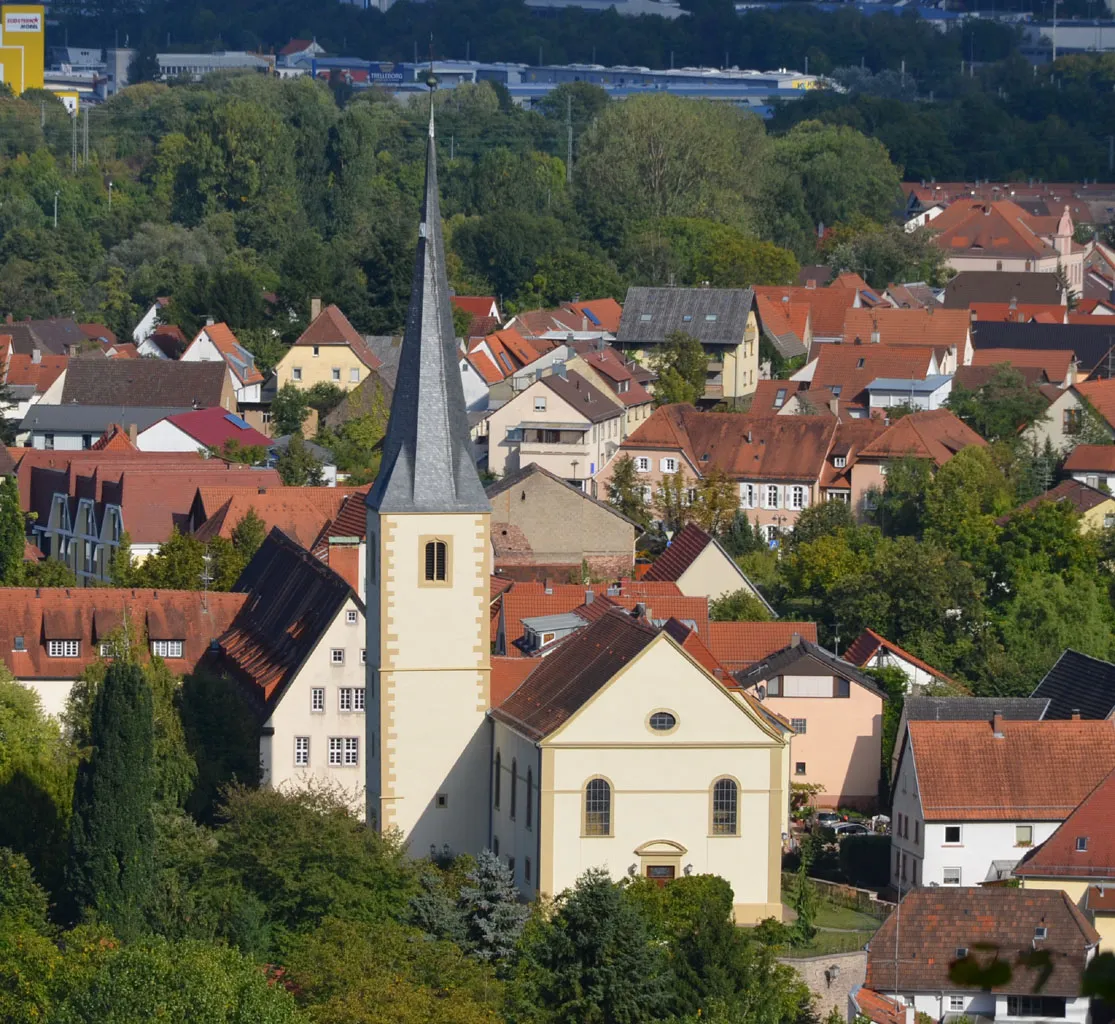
626, 748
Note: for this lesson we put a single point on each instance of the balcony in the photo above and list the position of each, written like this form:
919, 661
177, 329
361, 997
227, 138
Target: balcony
571, 449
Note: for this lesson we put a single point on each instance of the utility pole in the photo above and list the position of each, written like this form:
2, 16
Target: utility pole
110, 195
1054, 31
56, 194
452, 147
569, 140
1110, 153
73, 142
42, 113
85, 153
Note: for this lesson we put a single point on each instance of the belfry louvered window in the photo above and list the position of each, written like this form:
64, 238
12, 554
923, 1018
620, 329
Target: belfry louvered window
436, 561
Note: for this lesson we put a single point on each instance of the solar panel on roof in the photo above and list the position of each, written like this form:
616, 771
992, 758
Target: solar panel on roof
237, 421
589, 314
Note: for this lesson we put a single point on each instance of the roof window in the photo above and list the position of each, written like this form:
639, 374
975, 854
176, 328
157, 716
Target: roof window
710, 316
836, 389
780, 398
645, 317
1081, 844
961, 952
687, 317
1041, 932
19, 644
859, 363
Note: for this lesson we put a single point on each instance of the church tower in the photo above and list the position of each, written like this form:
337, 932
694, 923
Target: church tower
427, 583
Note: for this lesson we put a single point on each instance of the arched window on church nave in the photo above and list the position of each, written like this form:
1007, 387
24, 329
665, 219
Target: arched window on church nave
530, 800
725, 807
598, 808
514, 786
497, 782
436, 569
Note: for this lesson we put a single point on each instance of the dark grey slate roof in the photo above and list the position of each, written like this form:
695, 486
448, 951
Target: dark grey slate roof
1088, 342
583, 397
56, 336
684, 309
387, 348
95, 419
972, 709
144, 382
1078, 682
787, 345
998, 286
781, 660
427, 458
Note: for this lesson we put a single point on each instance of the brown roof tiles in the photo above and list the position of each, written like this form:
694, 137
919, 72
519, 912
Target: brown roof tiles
1083, 846
739, 645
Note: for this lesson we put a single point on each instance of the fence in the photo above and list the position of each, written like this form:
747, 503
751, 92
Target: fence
863, 900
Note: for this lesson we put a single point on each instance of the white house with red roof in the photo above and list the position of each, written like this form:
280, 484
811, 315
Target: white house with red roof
870, 650
216, 343
203, 430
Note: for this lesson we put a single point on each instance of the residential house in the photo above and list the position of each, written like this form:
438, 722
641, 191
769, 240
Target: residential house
739, 646
49, 636
215, 343
201, 430
1031, 288
970, 798
57, 336
1063, 424
28, 377
885, 393
84, 502
1090, 344
597, 319
277, 446
1092, 464
845, 372
606, 369
372, 397
484, 311
723, 320
1100, 395
299, 512
1059, 365
947, 331
1020, 313
560, 422
794, 398
1078, 684
836, 713
148, 323
919, 708
1078, 859
166, 341
870, 650
298, 649
910, 958
621, 747
1096, 508
1001, 236
699, 565
1099, 271
784, 324
329, 351
815, 274
826, 308
543, 525
912, 295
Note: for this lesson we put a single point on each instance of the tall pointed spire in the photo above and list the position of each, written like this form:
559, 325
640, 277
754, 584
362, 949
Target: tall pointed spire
427, 461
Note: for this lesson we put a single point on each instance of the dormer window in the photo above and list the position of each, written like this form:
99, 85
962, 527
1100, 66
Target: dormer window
840, 461
167, 648
63, 648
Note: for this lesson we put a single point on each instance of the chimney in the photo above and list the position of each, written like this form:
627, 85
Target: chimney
997, 725
811, 283
1076, 714
315, 308
834, 406
547, 586
795, 639
749, 437
133, 432
209, 321
589, 597
36, 355
1013, 304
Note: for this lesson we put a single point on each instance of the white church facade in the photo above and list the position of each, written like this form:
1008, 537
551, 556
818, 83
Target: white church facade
618, 750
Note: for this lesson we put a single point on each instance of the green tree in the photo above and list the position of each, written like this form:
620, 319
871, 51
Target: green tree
593, 961
297, 466
12, 532
893, 682
885, 253
289, 409
265, 346
900, 507
803, 900
248, 534
121, 572
682, 369
967, 495
494, 916
22, 899
671, 501
715, 502
739, 606
112, 831
1000, 408
625, 492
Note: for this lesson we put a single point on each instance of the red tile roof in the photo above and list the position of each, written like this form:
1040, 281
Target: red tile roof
477, 305
1087, 458
299, 512
682, 552
937, 328
1060, 856
739, 645
610, 365
92, 614
1075, 492
865, 646
22, 369
1020, 312
936, 435
783, 316
605, 312
98, 332
1036, 771
295, 46
879, 1009
1055, 363
169, 340
991, 229
332, 327
852, 367
508, 674
1101, 393
214, 427
935, 922
225, 342
114, 439
827, 306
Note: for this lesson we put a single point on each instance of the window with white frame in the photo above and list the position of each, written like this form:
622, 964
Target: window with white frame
336, 751
539, 403
336, 374
352, 750
63, 648
296, 374
748, 495
358, 698
771, 494
844, 497
301, 751
350, 617
317, 699
106, 648
956, 1002
669, 465
780, 398
351, 698
950, 876
642, 463
167, 648
798, 496
840, 461
337, 656
354, 375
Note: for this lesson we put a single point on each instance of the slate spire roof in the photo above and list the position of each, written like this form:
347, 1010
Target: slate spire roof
427, 462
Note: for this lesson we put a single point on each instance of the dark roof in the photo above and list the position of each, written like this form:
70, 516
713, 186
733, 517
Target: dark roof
972, 709
685, 309
388, 349
972, 378
1060, 855
585, 399
56, 336
533, 469
427, 461
1078, 682
1077, 493
371, 396
1090, 343
817, 272
94, 419
788, 656
681, 553
294, 598
996, 286
144, 382
573, 674
935, 922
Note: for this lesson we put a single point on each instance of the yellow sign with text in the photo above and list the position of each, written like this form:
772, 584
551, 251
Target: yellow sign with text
23, 46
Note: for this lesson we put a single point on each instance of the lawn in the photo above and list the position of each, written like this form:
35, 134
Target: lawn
825, 943
829, 915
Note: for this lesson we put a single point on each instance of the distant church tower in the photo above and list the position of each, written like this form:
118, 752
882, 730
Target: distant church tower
427, 583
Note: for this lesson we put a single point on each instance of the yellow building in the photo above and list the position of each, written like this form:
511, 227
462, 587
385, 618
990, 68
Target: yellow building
22, 46
1079, 859
330, 351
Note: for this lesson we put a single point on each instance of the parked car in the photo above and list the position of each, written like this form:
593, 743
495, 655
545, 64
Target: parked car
851, 828
827, 819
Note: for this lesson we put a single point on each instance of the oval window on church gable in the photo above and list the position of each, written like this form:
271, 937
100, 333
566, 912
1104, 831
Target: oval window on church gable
662, 721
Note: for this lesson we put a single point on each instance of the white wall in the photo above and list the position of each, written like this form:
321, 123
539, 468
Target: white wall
1096, 480
146, 327
164, 436
517, 839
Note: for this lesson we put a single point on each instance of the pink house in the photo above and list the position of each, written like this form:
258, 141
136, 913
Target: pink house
837, 716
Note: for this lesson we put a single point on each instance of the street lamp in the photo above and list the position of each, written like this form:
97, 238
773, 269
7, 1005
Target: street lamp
110, 194
56, 195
